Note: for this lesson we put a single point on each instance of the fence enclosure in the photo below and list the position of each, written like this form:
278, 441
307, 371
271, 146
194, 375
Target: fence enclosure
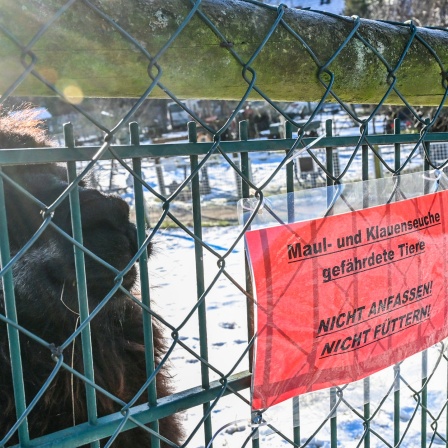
199, 281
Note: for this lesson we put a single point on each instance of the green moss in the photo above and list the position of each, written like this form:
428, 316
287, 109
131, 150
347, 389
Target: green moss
82, 47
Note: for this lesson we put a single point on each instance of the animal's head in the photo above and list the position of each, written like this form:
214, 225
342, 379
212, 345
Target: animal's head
47, 268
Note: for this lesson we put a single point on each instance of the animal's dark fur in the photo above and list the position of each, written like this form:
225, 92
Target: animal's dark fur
46, 297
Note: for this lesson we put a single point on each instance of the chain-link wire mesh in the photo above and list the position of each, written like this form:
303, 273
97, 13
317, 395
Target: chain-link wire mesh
195, 307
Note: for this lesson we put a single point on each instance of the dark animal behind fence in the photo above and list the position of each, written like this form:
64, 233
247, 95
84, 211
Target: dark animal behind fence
47, 305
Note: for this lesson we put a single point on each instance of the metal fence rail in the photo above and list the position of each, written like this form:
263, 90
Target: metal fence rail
213, 389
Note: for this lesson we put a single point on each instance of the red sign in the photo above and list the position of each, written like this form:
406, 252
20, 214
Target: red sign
342, 297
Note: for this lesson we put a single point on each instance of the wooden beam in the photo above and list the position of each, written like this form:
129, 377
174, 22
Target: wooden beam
84, 55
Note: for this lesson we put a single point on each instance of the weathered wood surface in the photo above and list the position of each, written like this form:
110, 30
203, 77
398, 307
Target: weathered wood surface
83, 54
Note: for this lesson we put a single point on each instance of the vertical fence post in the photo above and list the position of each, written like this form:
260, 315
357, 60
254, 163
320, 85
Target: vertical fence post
244, 156
245, 192
291, 218
426, 155
365, 173
397, 146
329, 161
329, 152
81, 282
366, 382
238, 181
396, 404
243, 187
365, 163
397, 164
290, 178
330, 168
427, 151
333, 419
13, 333
200, 277
446, 395
365, 176
424, 397
140, 217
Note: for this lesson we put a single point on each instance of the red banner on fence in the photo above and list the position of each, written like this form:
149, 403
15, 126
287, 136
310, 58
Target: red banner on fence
342, 297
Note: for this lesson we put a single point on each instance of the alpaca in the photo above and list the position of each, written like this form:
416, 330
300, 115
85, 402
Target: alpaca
47, 305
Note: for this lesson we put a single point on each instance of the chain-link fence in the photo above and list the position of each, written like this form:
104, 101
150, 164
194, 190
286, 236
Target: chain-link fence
83, 341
